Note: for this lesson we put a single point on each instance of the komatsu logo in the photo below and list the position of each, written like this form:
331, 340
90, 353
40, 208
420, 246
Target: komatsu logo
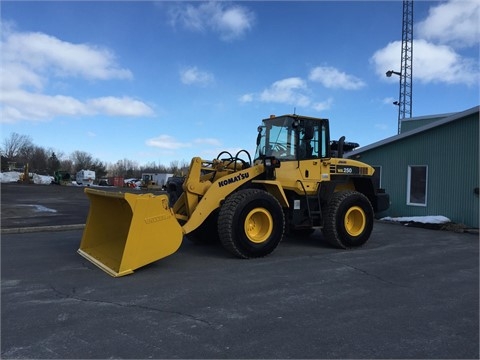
233, 179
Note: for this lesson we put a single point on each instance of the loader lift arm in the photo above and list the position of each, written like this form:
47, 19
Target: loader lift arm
207, 185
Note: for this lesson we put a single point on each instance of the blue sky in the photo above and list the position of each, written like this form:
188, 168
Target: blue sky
165, 81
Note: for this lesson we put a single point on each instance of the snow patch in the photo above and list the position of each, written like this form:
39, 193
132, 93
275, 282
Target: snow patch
11, 176
42, 179
14, 176
41, 208
35, 208
436, 219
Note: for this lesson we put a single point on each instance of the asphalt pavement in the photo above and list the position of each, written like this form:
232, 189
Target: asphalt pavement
27, 207
408, 293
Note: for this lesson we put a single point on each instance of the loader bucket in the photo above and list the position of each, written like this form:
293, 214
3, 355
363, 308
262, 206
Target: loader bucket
126, 231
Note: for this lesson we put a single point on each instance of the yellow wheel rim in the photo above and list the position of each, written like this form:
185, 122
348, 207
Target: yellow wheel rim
355, 221
258, 225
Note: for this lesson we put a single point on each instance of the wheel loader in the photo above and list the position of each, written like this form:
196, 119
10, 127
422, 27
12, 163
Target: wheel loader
297, 182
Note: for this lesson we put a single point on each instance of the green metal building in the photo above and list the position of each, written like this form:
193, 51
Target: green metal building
431, 167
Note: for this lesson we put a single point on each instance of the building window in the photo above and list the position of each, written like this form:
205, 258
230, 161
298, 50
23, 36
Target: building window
417, 185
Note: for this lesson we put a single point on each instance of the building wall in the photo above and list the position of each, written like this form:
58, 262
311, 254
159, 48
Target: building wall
451, 152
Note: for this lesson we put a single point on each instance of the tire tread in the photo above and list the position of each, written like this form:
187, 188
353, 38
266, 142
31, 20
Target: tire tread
330, 226
226, 219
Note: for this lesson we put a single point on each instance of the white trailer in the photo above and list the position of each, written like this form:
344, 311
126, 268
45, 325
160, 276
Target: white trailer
85, 177
155, 180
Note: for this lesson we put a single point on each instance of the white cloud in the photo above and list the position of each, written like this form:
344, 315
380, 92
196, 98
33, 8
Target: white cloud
431, 63
450, 25
245, 98
332, 78
192, 75
16, 75
166, 142
295, 90
233, 22
31, 60
455, 22
288, 91
382, 127
170, 145
229, 21
208, 141
323, 105
18, 105
124, 106
46, 53
389, 100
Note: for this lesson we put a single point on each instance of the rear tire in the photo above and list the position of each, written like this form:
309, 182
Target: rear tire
251, 223
348, 220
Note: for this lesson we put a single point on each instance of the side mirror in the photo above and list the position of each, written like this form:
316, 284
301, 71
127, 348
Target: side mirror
259, 136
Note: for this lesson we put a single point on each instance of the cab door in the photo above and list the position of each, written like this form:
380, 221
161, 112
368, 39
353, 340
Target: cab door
312, 149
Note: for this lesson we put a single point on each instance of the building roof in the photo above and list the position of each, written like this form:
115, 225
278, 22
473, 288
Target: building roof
445, 120
429, 117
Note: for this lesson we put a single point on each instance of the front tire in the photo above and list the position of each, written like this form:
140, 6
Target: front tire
348, 219
251, 223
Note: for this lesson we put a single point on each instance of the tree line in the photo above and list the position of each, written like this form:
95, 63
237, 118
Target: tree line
19, 150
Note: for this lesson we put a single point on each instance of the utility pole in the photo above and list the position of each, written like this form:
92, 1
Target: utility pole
406, 66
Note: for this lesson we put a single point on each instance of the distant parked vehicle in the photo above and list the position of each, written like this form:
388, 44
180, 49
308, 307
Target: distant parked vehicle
153, 181
61, 177
132, 183
85, 177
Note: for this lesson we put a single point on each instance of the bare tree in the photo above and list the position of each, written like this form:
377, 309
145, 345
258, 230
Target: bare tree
178, 168
174, 167
126, 168
66, 165
38, 160
184, 166
20, 148
154, 168
81, 161
26, 153
13, 145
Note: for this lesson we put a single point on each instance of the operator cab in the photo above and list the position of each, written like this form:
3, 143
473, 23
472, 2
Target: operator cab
293, 137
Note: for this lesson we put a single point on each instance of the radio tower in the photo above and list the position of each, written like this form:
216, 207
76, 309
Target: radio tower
405, 96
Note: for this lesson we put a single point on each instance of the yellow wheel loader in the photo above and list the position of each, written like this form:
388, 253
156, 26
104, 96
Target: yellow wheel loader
297, 182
